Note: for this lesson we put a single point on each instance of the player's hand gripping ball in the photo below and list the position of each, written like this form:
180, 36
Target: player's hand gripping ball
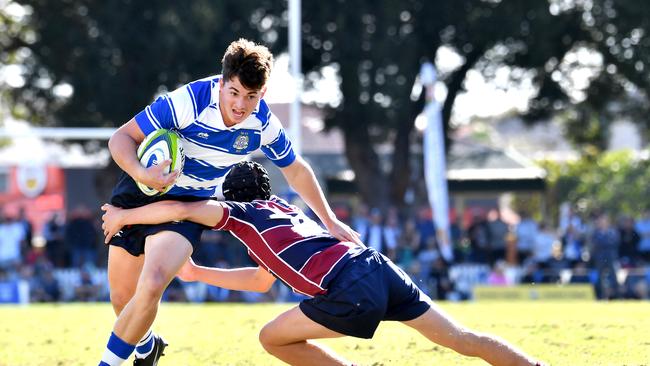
157, 147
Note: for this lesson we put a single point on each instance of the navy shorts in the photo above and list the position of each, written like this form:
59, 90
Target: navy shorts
368, 289
126, 194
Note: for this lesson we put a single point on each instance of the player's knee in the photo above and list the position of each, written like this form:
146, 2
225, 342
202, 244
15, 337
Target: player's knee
152, 285
119, 299
267, 339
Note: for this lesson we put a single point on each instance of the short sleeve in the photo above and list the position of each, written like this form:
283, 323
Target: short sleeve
177, 109
275, 143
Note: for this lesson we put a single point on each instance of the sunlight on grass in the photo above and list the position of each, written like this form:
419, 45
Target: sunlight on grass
589, 333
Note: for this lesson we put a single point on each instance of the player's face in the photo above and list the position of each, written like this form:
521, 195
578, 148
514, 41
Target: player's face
236, 102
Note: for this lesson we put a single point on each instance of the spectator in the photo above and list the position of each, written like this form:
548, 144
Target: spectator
580, 273
643, 229
46, 287
543, 246
426, 227
36, 251
175, 292
439, 275
497, 276
26, 226
54, 244
12, 236
361, 220
555, 265
628, 251
635, 286
375, 234
461, 249
497, 232
82, 236
605, 244
87, 290
427, 257
392, 232
409, 243
478, 238
526, 233
573, 244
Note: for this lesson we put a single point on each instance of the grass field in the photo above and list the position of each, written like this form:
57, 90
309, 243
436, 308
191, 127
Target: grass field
589, 333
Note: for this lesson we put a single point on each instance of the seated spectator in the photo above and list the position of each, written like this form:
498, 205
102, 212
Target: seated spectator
46, 287
580, 273
439, 274
554, 266
635, 286
36, 251
497, 276
82, 236
175, 292
87, 290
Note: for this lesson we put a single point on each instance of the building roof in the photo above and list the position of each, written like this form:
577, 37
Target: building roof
475, 167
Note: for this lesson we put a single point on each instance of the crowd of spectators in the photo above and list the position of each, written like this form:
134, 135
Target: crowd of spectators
66, 260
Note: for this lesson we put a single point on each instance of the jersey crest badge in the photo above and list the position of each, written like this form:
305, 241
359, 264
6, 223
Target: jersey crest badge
241, 142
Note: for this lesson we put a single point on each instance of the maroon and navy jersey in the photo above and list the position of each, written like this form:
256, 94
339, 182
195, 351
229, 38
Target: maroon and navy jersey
288, 244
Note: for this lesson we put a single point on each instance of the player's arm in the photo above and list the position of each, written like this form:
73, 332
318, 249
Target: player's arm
123, 145
207, 213
301, 178
239, 279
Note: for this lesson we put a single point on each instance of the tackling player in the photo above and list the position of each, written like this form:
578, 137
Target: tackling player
221, 120
352, 288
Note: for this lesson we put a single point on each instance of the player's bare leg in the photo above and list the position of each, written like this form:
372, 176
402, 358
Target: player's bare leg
123, 273
165, 253
287, 338
441, 329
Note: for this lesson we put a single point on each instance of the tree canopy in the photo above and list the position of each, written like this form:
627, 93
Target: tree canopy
586, 60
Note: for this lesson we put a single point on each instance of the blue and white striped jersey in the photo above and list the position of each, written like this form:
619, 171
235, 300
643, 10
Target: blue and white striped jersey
211, 148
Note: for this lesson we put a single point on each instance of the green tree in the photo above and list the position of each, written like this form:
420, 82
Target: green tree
615, 32
378, 47
117, 54
615, 182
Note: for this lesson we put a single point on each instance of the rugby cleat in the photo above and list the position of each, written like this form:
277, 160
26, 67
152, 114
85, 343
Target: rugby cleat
159, 345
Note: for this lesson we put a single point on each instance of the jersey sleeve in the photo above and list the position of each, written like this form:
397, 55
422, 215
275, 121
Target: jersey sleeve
275, 143
177, 109
234, 215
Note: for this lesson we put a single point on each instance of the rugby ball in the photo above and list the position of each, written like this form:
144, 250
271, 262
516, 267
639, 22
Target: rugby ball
157, 147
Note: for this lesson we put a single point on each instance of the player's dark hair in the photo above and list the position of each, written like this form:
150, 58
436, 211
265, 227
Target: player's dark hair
247, 181
251, 63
